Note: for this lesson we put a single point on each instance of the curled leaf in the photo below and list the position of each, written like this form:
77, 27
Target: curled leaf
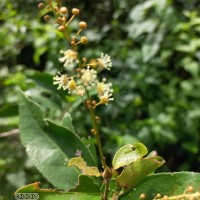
82, 165
78, 162
128, 154
82, 191
138, 170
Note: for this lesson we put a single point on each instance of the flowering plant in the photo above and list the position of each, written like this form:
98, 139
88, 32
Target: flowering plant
70, 163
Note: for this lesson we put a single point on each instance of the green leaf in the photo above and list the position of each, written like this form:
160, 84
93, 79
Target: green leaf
169, 184
138, 170
45, 81
113, 188
67, 122
50, 145
90, 143
152, 45
48, 194
128, 154
86, 185
9, 110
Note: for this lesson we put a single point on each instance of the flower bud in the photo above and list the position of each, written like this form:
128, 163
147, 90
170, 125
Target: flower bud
84, 40
40, 5
56, 8
93, 131
59, 20
73, 41
63, 10
190, 189
165, 197
75, 11
142, 196
82, 24
97, 118
63, 19
61, 28
94, 103
84, 60
158, 196
47, 18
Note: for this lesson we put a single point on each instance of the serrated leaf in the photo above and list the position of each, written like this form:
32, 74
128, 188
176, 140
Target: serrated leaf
49, 145
169, 184
82, 165
49, 194
128, 154
138, 170
67, 122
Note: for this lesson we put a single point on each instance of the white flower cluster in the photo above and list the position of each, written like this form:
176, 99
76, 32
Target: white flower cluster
86, 78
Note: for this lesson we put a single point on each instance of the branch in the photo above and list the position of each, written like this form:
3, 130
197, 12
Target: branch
9, 133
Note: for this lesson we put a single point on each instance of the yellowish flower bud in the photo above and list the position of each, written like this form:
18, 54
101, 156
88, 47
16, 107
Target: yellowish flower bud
84, 40
40, 5
75, 11
142, 196
97, 118
93, 131
61, 28
165, 197
94, 103
63, 10
82, 24
158, 195
59, 20
190, 189
47, 18
84, 60
56, 8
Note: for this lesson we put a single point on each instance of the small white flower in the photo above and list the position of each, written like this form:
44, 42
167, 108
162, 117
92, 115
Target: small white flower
105, 92
88, 76
69, 57
104, 61
80, 91
64, 82
61, 81
103, 87
105, 98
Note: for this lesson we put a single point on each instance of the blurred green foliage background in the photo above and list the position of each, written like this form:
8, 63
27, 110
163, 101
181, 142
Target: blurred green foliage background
155, 49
